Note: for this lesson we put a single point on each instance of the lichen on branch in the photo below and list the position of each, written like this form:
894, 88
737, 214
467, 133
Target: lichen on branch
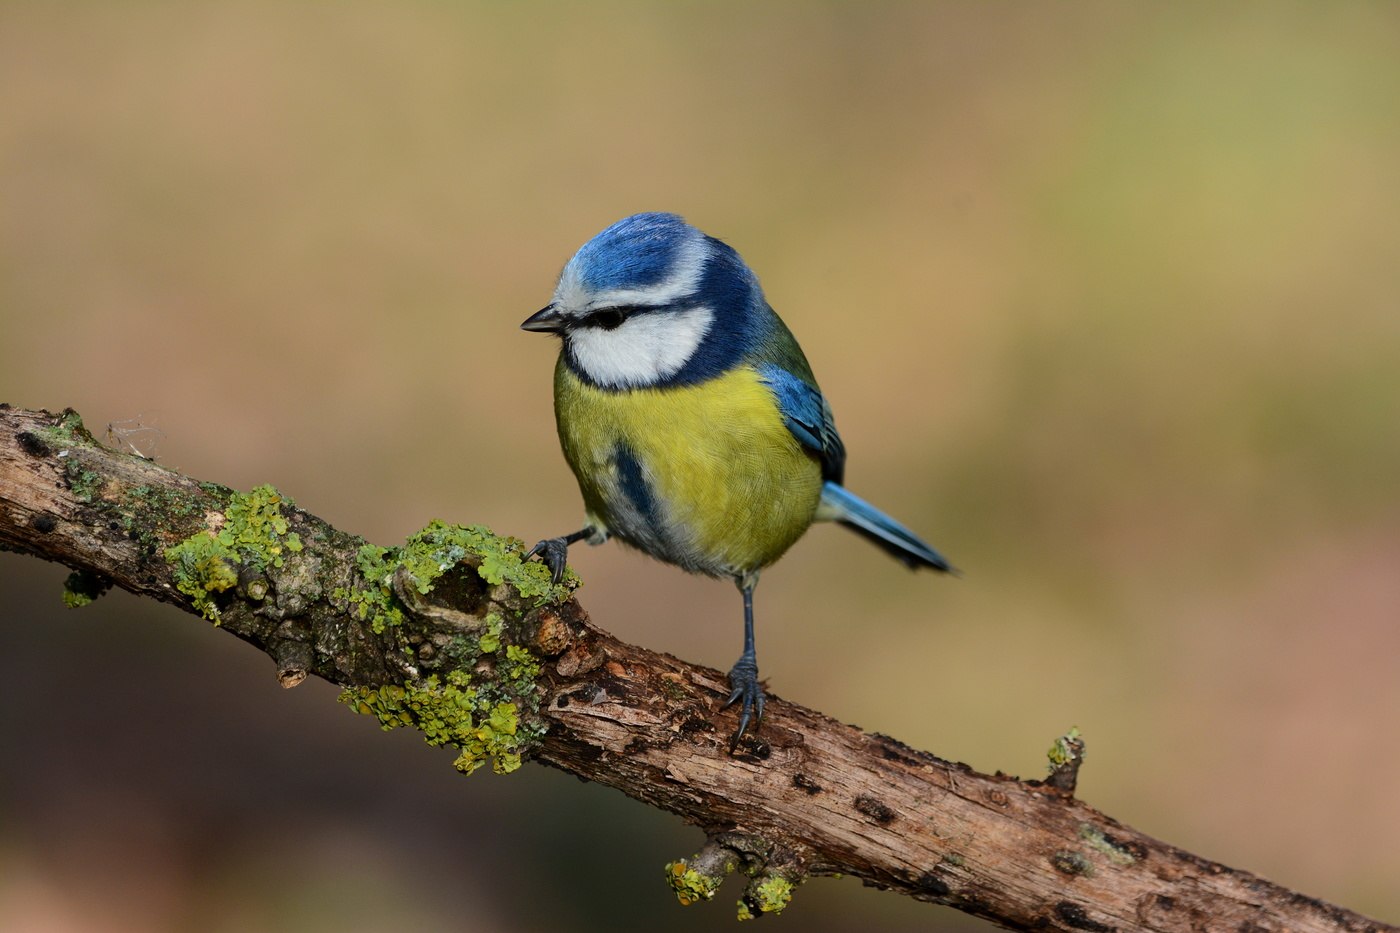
453, 634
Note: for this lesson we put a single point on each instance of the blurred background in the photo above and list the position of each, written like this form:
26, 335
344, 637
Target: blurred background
1104, 297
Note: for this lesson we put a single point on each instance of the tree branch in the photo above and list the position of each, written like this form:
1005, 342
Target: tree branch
452, 634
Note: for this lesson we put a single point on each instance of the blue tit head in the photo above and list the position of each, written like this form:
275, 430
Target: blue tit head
652, 301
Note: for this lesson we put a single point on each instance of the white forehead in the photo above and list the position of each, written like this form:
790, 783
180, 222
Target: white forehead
643, 350
574, 296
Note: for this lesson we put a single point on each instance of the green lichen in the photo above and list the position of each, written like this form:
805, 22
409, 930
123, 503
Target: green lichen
439, 547
451, 711
374, 602
81, 588
254, 533
432, 552
493, 718
1065, 749
490, 641
203, 566
1100, 843
462, 651
255, 527
68, 431
767, 895
148, 505
519, 666
85, 484
690, 884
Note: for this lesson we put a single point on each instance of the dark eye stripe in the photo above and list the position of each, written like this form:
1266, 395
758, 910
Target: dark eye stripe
608, 318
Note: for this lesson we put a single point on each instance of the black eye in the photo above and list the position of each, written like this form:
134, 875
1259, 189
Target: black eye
607, 318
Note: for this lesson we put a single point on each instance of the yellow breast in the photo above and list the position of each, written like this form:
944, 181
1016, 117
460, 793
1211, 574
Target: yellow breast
704, 476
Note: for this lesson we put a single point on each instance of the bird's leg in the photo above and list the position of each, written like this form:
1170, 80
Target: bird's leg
554, 552
743, 676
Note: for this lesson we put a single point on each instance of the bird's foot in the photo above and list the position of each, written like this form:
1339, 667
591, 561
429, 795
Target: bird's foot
554, 554
743, 681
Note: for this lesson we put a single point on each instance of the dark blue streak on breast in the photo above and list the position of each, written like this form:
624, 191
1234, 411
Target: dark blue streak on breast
634, 485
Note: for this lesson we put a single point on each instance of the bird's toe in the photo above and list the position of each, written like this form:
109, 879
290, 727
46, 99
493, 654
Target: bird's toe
554, 554
745, 690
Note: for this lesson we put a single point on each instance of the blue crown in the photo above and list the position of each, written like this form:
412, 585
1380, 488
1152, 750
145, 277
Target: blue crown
636, 251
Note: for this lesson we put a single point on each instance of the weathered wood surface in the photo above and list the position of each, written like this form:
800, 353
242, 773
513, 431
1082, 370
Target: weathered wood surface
807, 796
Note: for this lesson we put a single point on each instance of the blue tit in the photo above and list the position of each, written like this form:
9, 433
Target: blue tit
691, 418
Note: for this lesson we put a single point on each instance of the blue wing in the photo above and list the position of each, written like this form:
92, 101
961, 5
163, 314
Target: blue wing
808, 417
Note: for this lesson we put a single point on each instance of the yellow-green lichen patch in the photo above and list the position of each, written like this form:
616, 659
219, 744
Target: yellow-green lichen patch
1066, 749
439, 547
451, 711
255, 527
432, 552
690, 884
487, 703
519, 667
203, 566
766, 895
374, 602
253, 533
490, 641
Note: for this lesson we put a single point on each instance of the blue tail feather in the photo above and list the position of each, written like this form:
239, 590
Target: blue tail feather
863, 518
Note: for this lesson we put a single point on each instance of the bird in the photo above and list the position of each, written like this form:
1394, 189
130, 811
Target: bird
692, 421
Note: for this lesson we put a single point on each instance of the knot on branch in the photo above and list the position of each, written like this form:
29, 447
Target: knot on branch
470, 624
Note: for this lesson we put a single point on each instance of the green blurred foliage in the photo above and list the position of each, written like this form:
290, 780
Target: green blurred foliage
1104, 297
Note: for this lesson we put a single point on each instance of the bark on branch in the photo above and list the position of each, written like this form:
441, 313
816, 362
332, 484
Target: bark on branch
450, 634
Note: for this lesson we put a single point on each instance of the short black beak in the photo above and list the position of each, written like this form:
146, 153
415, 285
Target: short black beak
544, 321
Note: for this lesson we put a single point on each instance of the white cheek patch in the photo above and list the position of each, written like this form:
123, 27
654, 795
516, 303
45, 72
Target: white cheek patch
643, 350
